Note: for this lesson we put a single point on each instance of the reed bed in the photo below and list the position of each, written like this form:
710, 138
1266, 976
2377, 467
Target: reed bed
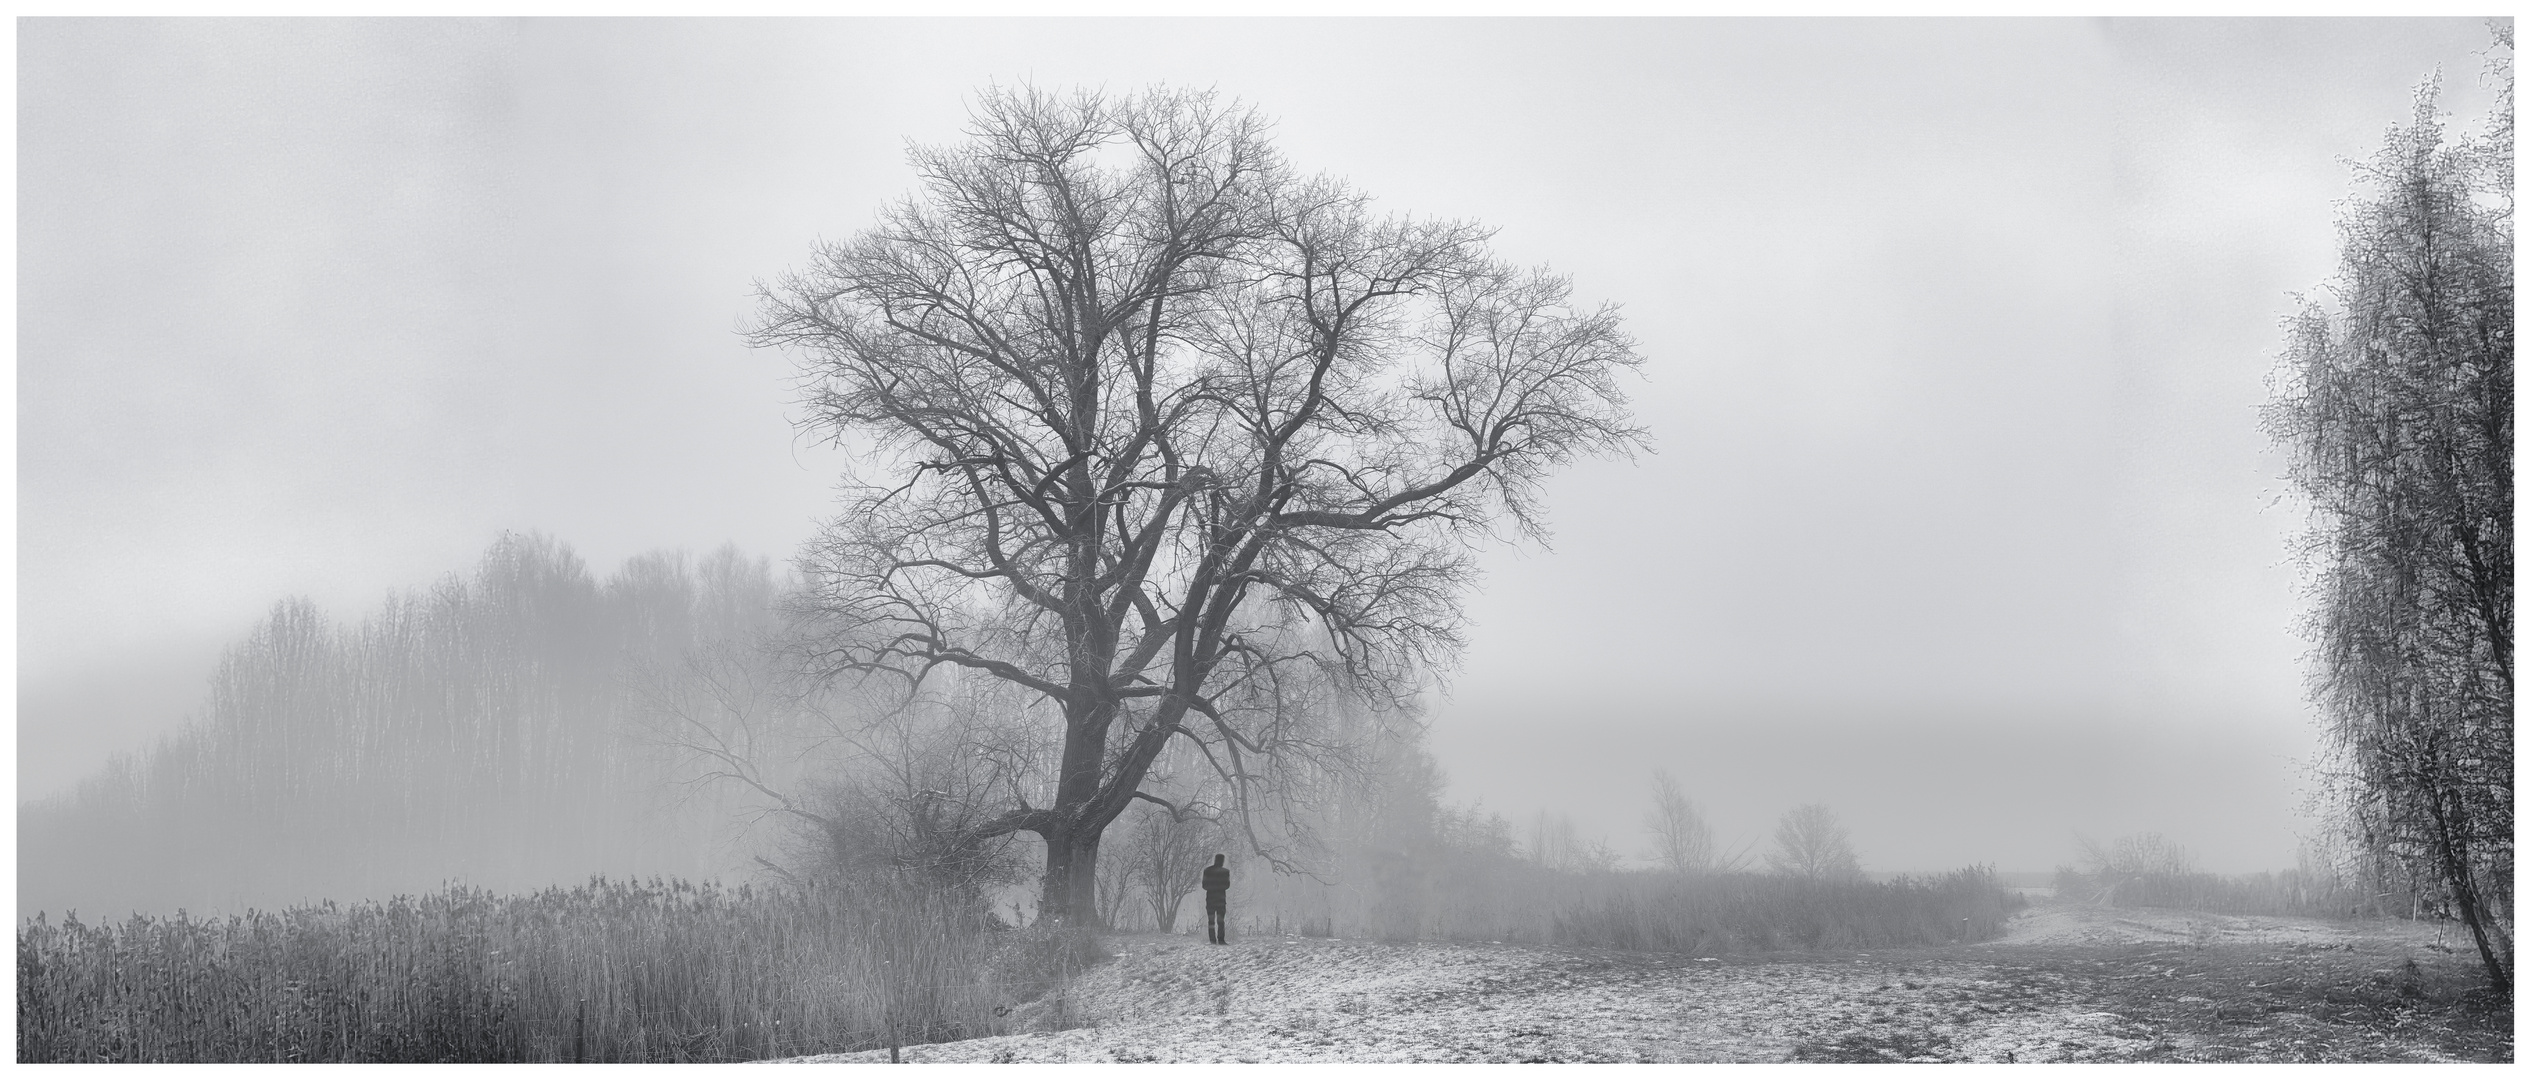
609, 971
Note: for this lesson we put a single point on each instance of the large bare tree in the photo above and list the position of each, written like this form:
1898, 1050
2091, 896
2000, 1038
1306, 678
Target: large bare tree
1167, 437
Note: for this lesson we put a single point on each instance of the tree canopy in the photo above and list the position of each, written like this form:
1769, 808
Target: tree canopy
1170, 441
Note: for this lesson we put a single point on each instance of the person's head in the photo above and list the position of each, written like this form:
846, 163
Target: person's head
1217, 860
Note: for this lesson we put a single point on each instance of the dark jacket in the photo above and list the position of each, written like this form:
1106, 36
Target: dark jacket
1216, 880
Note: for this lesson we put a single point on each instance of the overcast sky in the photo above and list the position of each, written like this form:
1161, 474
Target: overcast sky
1960, 520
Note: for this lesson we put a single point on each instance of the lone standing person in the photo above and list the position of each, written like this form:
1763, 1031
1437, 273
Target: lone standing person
1217, 902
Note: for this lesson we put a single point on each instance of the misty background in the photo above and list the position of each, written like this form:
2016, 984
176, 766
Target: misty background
1961, 521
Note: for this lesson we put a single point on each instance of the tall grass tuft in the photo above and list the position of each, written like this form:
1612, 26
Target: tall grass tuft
609, 971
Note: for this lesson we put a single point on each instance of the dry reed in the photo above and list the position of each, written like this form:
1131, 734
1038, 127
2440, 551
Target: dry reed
610, 971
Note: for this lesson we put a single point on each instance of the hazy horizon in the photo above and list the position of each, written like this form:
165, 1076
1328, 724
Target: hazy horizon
1960, 519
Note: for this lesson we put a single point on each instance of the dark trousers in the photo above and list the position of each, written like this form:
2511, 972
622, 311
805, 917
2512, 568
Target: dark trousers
1217, 919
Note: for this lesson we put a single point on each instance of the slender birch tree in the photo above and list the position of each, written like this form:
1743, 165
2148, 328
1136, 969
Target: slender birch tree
2398, 411
1682, 841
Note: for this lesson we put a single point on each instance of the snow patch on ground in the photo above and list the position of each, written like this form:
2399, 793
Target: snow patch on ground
2042, 992
1307, 1000
2077, 924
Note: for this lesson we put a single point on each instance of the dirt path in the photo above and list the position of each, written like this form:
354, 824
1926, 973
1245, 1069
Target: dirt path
2063, 984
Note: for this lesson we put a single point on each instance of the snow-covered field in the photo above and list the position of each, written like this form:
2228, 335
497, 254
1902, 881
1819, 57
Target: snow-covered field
1304, 1000
2071, 924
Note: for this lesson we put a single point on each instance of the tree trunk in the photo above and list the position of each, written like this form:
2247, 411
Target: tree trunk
2476, 918
1071, 887
2462, 879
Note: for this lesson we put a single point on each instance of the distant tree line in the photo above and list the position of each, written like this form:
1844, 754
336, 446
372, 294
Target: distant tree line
531, 724
1401, 862
2152, 870
491, 729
